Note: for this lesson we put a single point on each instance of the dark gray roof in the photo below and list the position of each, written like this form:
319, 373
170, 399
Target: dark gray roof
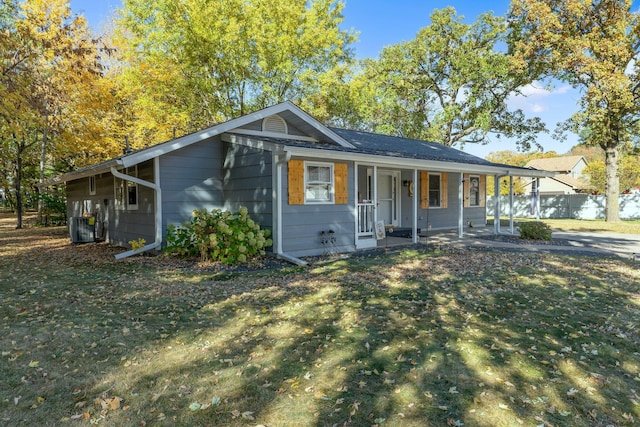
398, 147
389, 146
408, 148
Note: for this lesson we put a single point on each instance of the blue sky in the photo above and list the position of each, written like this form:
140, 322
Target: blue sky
385, 22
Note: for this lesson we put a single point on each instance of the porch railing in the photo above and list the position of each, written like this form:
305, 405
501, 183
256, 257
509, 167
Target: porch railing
365, 219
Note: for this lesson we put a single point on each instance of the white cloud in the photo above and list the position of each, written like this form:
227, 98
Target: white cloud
535, 97
561, 90
538, 108
537, 90
533, 89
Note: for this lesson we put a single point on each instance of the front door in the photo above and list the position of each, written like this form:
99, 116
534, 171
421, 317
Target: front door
388, 200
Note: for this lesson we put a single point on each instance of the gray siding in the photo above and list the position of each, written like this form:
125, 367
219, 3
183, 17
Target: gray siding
115, 226
247, 182
216, 175
302, 224
191, 178
440, 218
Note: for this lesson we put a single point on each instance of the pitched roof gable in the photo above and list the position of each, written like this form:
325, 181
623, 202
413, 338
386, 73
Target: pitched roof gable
555, 164
572, 182
334, 139
286, 107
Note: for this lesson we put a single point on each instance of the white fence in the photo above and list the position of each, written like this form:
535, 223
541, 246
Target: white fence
578, 206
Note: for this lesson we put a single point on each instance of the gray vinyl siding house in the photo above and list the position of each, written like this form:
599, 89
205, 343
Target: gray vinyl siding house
315, 187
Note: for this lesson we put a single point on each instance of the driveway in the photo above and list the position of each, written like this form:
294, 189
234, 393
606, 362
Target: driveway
615, 243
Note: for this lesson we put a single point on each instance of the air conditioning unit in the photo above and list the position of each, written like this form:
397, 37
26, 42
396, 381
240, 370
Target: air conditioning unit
83, 229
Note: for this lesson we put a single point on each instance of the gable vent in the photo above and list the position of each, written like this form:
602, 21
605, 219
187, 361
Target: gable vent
274, 124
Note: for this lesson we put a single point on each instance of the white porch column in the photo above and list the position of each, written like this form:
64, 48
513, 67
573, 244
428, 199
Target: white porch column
355, 204
537, 199
461, 203
414, 233
511, 203
496, 204
374, 191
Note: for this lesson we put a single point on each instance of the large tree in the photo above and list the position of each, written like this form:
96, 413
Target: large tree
193, 63
450, 84
47, 54
593, 45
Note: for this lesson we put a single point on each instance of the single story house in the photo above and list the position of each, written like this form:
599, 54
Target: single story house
297, 177
569, 178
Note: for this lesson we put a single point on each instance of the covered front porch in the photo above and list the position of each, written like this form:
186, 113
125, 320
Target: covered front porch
396, 205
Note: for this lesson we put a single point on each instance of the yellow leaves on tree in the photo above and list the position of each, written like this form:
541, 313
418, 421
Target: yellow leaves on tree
593, 46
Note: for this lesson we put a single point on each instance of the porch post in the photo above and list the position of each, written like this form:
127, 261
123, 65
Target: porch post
496, 204
537, 199
511, 203
278, 205
414, 233
461, 203
356, 224
375, 194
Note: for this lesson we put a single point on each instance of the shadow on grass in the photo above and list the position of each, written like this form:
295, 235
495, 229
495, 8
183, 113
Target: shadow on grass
412, 338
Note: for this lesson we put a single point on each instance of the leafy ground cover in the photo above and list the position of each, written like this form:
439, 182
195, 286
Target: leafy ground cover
408, 338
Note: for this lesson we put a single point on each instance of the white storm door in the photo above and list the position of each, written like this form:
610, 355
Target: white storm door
388, 201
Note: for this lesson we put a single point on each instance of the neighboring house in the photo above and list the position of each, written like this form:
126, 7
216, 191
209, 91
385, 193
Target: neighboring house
569, 178
296, 176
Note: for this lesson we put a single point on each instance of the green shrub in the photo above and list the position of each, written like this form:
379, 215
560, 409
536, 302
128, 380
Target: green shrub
219, 236
536, 230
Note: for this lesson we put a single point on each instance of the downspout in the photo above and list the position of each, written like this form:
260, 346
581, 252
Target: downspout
158, 210
282, 159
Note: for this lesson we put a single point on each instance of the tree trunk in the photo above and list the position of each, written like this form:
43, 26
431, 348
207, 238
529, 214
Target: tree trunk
43, 155
612, 183
18, 182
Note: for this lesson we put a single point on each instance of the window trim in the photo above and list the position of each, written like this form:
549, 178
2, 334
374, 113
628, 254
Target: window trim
92, 185
471, 201
439, 205
331, 183
121, 191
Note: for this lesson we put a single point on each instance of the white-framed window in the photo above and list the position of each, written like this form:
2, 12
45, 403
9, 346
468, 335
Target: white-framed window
87, 207
474, 191
126, 192
118, 196
435, 190
318, 182
92, 185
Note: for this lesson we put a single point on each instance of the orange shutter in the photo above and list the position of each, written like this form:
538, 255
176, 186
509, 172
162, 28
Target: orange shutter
466, 189
340, 175
296, 182
424, 190
483, 190
444, 192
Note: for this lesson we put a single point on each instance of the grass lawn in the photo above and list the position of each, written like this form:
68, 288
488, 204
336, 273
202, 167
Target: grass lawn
626, 227
411, 338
